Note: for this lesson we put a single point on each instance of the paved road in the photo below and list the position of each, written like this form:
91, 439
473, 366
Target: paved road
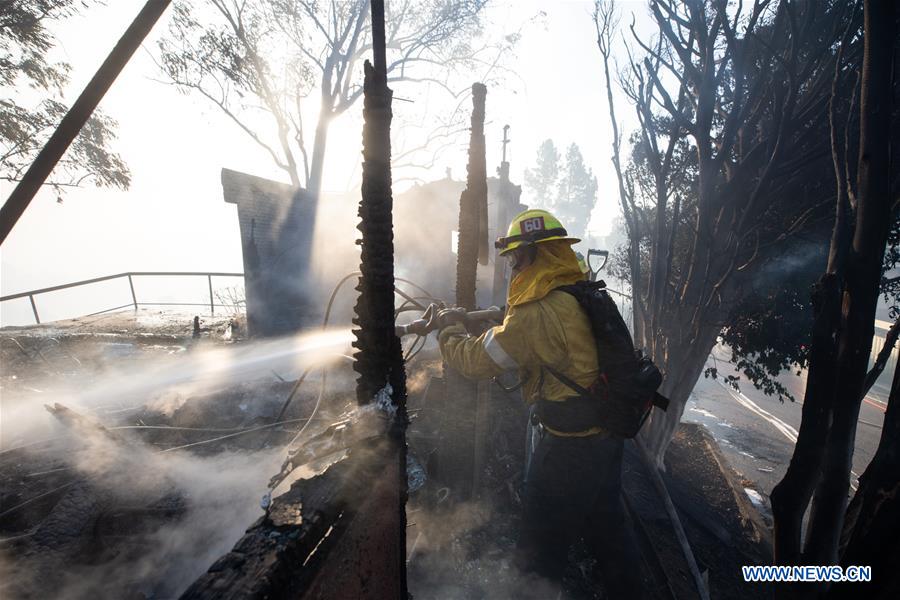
757, 432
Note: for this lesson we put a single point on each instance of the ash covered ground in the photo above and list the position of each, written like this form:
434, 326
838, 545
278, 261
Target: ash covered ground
133, 454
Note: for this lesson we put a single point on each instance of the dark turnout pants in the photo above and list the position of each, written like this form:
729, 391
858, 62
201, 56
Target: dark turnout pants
573, 490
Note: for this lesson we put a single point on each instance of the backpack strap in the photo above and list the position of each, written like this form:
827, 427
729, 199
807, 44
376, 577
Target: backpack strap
657, 400
577, 289
660, 401
569, 383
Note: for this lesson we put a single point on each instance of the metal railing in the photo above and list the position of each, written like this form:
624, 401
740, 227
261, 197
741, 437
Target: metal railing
134, 301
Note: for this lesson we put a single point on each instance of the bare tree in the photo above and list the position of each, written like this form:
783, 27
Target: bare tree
723, 178
258, 60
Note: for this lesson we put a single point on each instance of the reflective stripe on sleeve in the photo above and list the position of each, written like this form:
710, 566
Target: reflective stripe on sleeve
496, 351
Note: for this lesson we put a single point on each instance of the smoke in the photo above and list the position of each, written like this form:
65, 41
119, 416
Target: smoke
424, 218
805, 263
165, 383
208, 503
468, 551
222, 495
418, 379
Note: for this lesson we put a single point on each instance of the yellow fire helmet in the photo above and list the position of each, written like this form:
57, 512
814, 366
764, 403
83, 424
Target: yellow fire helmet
532, 227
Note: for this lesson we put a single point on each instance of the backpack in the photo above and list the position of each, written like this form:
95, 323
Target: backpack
623, 395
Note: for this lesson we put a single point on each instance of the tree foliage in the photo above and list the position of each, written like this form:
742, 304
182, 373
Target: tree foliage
564, 185
577, 193
890, 278
543, 178
31, 105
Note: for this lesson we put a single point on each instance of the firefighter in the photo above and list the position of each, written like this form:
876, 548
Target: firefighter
573, 481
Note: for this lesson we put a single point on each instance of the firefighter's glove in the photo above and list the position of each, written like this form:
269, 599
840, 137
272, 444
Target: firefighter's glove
444, 317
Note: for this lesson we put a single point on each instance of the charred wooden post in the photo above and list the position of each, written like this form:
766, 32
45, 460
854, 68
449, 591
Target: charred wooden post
472, 202
460, 446
379, 354
506, 207
342, 534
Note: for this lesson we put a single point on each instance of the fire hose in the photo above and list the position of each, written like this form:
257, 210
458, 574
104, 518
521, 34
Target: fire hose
431, 319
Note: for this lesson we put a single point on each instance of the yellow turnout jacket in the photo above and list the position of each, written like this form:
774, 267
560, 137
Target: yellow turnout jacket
542, 328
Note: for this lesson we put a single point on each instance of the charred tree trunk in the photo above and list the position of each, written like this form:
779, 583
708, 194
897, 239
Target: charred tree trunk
792, 494
472, 203
863, 277
844, 302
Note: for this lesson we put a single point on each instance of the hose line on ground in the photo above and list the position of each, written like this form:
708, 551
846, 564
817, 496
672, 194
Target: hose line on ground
410, 354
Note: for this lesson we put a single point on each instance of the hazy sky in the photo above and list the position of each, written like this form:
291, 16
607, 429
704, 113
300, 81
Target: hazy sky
174, 217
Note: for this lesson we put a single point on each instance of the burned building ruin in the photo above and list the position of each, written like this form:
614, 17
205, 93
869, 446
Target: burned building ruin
277, 222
